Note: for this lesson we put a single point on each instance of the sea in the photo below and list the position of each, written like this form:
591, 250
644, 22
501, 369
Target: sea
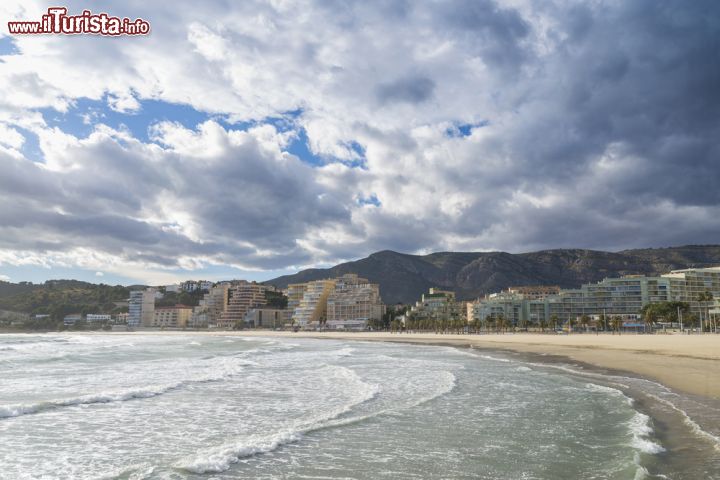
177, 406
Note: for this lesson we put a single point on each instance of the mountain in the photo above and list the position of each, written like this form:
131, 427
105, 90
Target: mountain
403, 278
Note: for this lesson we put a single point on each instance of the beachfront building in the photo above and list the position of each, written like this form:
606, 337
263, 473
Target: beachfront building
687, 285
242, 296
98, 317
172, 317
264, 317
312, 310
295, 293
353, 303
141, 308
624, 297
534, 292
211, 307
438, 306
72, 319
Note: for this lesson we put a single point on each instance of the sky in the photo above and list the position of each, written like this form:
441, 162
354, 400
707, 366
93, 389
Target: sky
257, 138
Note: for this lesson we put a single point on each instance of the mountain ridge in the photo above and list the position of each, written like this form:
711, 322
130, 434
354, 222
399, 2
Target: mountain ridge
404, 277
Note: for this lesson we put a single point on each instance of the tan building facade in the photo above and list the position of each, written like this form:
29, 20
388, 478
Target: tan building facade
353, 303
242, 297
172, 317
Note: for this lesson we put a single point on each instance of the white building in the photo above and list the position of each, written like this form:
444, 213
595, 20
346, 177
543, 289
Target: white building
141, 308
97, 318
353, 303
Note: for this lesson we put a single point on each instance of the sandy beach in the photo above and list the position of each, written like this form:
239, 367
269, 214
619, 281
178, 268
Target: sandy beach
687, 363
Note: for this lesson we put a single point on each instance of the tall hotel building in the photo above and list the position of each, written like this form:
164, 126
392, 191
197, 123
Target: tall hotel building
312, 309
353, 302
141, 308
241, 297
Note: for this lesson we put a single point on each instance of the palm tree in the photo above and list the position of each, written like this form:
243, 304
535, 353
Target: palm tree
705, 297
542, 323
554, 320
570, 322
616, 323
501, 322
650, 316
585, 321
523, 324
603, 321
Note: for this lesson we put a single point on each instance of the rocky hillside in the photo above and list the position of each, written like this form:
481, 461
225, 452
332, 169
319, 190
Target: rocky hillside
403, 277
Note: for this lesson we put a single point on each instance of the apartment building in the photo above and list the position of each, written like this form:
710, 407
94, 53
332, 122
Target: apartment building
312, 309
141, 308
437, 304
264, 317
242, 296
177, 316
624, 297
353, 302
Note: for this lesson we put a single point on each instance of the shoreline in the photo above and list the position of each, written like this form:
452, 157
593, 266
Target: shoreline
686, 363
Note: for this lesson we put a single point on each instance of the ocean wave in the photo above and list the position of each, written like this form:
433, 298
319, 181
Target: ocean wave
639, 426
220, 458
694, 427
16, 410
613, 391
343, 352
495, 359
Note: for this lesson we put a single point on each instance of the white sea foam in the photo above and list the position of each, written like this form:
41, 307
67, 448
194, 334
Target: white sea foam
220, 458
495, 359
523, 369
613, 391
343, 352
640, 429
131, 393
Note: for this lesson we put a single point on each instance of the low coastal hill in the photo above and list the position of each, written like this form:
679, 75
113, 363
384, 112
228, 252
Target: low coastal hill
403, 278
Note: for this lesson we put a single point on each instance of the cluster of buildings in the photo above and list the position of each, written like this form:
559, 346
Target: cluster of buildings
348, 302
623, 297
437, 305
224, 305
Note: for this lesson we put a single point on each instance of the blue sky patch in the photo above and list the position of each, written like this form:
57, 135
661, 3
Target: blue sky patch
464, 129
80, 119
31, 146
371, 200
8, 46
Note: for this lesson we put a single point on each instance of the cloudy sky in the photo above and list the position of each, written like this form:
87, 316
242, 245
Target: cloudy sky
251, 139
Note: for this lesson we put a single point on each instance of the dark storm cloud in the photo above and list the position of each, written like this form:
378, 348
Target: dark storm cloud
410, 89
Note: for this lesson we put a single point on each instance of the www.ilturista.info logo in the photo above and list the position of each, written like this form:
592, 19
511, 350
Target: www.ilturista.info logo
57, 21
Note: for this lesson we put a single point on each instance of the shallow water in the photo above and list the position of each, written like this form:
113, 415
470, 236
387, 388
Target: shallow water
183, 406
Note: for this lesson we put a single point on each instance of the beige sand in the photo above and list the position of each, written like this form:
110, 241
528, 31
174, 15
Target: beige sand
688, 363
